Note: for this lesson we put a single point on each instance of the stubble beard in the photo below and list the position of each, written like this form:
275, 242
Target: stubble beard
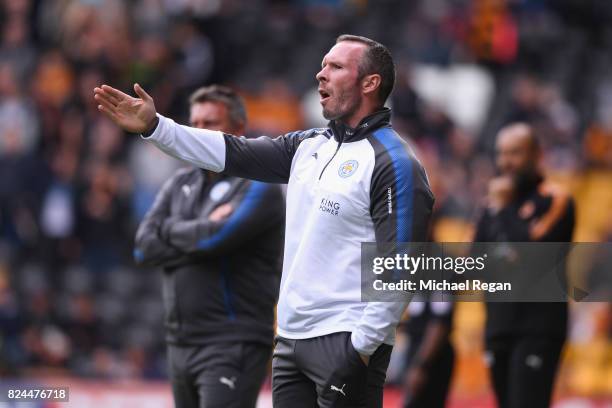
344, 99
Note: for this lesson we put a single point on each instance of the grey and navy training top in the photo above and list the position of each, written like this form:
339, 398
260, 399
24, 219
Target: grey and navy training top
220, 274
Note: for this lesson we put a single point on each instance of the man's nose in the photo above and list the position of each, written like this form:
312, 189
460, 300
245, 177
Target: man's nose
321, 76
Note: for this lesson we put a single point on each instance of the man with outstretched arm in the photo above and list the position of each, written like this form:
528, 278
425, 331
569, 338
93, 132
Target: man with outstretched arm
354, 181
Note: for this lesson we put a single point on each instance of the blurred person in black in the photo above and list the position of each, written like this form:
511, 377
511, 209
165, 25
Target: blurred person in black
524, 340
430, 357
219, 240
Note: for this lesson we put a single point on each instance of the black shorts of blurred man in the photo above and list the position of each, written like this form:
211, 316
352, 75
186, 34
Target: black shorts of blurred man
219, 241
524, 340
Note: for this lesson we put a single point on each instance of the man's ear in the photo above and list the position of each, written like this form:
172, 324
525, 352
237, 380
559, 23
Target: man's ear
370, 83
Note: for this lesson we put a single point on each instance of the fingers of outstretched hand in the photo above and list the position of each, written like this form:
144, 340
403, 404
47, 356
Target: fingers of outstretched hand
115, 93
111, 114
142, 93
99, 92
106, 97
105, 102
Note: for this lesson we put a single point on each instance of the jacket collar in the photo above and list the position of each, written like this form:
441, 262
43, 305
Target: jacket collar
343, 133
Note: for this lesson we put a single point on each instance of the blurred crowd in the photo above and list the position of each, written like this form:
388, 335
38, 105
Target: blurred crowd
73, 187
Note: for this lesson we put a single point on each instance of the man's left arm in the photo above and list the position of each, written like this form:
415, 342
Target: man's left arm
401, 207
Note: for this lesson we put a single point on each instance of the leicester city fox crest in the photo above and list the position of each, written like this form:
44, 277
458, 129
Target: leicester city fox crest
348, 168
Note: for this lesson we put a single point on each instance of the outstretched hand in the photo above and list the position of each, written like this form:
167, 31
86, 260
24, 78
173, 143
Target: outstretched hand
136, 115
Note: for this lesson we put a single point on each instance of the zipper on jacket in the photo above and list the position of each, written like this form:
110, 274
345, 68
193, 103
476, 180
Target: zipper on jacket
329, 161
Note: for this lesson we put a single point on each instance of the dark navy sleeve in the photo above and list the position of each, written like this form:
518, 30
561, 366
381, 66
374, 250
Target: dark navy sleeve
401, 201
256, 208
400, 206
263, 158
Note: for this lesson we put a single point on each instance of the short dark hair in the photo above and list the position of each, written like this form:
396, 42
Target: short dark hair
376, 60
226, 96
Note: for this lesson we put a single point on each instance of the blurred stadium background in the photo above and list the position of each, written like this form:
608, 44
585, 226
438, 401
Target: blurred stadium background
74, 309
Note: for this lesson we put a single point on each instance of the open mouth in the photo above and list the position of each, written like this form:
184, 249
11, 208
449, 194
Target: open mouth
324, 95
